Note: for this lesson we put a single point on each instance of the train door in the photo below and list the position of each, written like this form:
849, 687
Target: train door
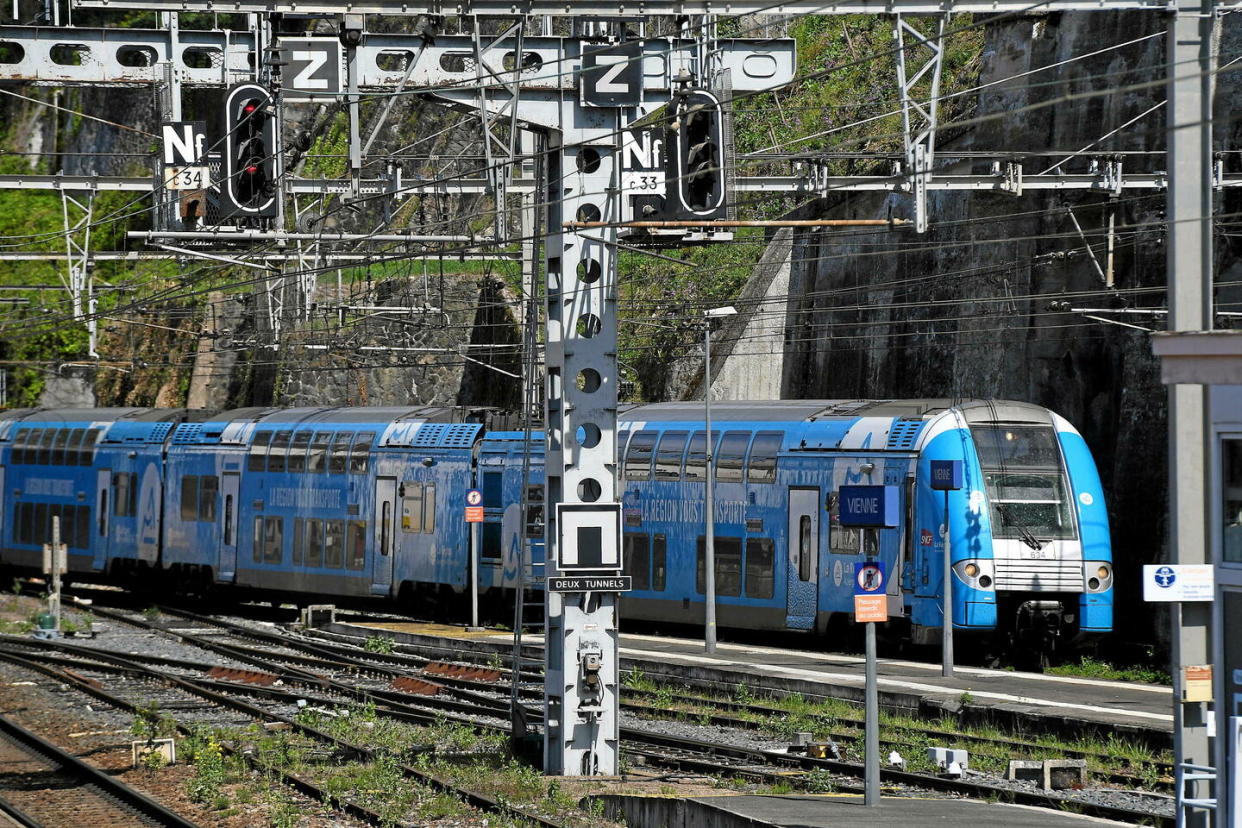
901, 573
226, 569
103, 517
803, 553
385, 506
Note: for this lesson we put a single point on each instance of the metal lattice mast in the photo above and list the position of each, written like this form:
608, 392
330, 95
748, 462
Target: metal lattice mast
920, 97
79, 279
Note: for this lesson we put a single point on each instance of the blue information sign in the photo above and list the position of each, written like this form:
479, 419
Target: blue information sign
869, 577
946, 475
874, 506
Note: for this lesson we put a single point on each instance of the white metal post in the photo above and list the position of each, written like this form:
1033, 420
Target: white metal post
709, 502
871, 725
474, 577
946, 653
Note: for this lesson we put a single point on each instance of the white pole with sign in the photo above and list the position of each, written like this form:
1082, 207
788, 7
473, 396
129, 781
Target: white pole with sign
946, 475
474, 516
874, 508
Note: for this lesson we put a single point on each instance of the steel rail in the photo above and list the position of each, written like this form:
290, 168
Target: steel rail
474, 798
88, 774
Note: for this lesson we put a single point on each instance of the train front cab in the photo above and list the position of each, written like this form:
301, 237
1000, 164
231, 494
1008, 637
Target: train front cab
1029, 530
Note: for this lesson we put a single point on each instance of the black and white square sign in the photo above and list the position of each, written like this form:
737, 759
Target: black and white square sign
314, 65
612, 75
589, 536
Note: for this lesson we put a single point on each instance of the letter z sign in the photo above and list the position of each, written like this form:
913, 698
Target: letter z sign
612, 75
314, 65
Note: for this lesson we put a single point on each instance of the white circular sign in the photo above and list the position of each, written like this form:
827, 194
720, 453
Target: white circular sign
474, 497
1086, 499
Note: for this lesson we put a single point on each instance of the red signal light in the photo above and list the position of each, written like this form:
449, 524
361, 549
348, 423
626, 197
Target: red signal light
252, 169
249, 108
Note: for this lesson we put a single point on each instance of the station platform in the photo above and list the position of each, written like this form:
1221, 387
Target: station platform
848, 811
1029, 701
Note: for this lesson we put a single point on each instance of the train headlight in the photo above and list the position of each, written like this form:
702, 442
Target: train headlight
976, 574
1098, 575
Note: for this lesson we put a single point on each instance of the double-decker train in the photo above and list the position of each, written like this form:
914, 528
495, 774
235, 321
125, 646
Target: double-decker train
326, 504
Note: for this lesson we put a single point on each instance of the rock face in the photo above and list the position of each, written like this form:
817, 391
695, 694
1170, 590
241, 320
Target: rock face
967, 310
444, 353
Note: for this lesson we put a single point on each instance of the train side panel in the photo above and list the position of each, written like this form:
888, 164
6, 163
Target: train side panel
1096, 600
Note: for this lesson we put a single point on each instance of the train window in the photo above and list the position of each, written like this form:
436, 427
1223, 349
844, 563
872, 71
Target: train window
760, 567
491, 544
228, 520
356, 556
124, 494
728, 553
669, 454
696, 455
299, 538
429, 508
45, 446
534, 510
806, 547
73, 448
493, 490
24, 517
103, 512
313, 554
340, 452
40, 523
297, 451
82, 529
258, 539
34, 436
189, 498
279, 451
842, 540
317, 458
623, 440
659, 562
361, 451
763, 456
732, 456
17, 451
412, 508
385, 530
208, 490
258, 451
636, 550
638, 456
333, 544
58, 446
273, 540
86, 454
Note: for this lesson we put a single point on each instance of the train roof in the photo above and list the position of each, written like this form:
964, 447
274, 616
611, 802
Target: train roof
809, 411
348, 414
98, 415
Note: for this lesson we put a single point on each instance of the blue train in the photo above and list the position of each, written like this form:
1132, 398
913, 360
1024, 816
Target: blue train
315, 504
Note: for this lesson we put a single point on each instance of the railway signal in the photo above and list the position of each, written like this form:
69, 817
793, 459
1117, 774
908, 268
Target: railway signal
698, 132
250, 152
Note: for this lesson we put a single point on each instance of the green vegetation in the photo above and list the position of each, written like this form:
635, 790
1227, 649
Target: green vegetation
378, 644
1089, 667
840, 721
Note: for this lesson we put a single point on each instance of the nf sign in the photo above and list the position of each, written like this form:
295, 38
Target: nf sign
946, 475
869, 506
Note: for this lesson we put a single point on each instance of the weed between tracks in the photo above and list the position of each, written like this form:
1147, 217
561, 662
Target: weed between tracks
782, 717
235, 767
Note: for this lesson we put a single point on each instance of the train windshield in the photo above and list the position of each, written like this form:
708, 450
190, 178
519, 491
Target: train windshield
1025, 482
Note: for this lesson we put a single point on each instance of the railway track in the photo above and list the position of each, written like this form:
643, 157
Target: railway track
467, 702
45, 785
224, 695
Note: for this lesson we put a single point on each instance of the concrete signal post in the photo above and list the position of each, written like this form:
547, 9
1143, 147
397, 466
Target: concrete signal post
946, 476
874, 508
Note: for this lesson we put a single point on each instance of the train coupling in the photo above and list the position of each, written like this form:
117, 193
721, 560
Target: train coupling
1040, 623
